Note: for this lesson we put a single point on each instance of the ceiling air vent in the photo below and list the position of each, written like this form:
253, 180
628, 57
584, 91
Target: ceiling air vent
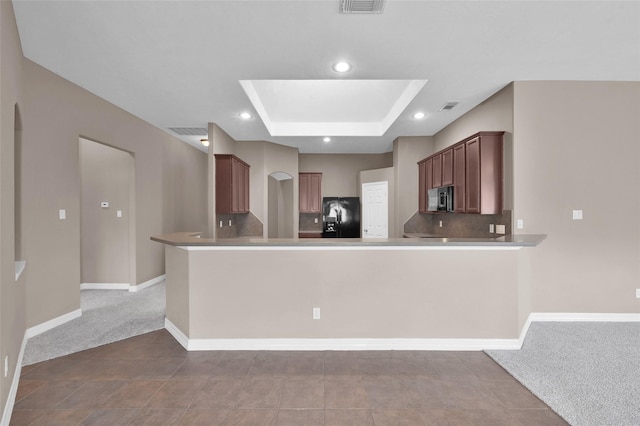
448, 106
361, 6
189, 131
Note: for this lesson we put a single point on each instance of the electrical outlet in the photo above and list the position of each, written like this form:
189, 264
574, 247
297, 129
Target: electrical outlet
500, 229
520, 224
492, 228
577, 215
316, 313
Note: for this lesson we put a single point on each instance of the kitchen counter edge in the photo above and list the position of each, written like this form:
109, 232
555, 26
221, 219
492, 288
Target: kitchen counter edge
194, 239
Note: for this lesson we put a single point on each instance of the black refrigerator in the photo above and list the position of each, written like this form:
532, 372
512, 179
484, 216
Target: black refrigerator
340, 217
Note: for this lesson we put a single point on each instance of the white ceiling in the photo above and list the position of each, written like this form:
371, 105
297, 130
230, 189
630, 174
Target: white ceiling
181, 63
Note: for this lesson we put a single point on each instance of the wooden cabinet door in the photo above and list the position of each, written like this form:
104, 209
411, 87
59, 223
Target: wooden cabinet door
422, 187
437, 171
315, 193
459, 176
447, 167
310, 192
304, 185
236, 182
232, 184
428, 171
472, 178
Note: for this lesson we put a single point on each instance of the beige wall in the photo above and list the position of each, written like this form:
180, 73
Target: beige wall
359, 302
407, 151
576, 147
105, 176
12, 294
494, 114
340, 171
382, 175
56, 114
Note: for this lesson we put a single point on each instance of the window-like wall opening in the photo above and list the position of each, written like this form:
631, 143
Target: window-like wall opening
17, 182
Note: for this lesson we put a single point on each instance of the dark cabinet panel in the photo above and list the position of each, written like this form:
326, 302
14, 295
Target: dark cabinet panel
437, 170
485, 173
472, 198
428, 170
232, 184
474, 166
422, 187
459, 178
310, 192
447, 167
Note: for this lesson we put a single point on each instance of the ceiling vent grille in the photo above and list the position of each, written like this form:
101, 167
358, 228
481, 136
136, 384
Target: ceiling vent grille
448, 106
361, 6
189, 131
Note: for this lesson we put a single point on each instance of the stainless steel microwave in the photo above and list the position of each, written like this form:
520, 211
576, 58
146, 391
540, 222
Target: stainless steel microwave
440, 199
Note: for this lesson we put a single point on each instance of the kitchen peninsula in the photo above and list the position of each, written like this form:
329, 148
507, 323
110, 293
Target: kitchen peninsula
406, 293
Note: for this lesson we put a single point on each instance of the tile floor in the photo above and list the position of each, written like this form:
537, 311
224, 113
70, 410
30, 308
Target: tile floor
152, 380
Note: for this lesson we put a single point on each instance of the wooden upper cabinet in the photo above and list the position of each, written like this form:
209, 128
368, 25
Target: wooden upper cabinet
459, 178
232, 184
484, 168
472, 198
428, 169
422, 187
474, 166
310, 192
437, 170
447, 167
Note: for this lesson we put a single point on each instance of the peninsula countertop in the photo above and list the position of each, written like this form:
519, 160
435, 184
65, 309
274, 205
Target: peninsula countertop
411, 240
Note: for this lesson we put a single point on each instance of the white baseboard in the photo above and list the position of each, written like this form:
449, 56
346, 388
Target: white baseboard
176, 333
574, 317
123, 286
13, 390
390, 344
46, 326
299, 344
584, 317
105, 286
148, 283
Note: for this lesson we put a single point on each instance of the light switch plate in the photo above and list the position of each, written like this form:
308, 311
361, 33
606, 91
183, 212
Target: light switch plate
577, 215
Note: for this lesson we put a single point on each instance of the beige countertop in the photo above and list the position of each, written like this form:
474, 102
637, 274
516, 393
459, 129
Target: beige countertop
411, 240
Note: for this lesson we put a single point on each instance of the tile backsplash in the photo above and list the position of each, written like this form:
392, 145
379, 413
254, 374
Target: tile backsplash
307, 222
458, 224
242, 225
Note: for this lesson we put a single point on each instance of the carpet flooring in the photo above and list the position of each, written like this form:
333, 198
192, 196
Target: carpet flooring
107, 316
587, 372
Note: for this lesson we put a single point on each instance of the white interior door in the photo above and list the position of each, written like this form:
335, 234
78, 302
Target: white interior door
375, 210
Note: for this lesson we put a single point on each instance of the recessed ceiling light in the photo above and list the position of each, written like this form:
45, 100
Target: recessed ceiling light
418, 115
245, 115
341, 66
204, 142
327, 139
